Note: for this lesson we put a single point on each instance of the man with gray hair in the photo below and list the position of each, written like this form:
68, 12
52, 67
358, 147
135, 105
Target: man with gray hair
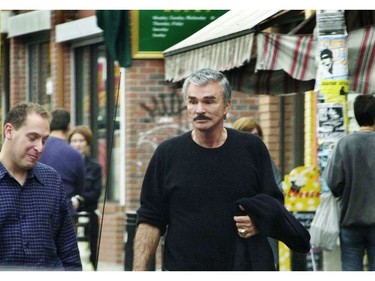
193, 181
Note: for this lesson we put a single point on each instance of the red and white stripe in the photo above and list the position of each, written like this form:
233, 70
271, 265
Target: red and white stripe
294, 54
361, 52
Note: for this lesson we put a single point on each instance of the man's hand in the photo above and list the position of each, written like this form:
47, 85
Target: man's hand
245, 226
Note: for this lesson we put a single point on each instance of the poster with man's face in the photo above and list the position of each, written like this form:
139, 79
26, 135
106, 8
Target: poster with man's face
333, 58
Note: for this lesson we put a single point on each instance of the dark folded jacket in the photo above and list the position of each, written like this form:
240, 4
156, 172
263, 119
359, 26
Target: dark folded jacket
273, 220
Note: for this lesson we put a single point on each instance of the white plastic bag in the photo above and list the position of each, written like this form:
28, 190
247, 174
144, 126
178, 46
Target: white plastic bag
325, 228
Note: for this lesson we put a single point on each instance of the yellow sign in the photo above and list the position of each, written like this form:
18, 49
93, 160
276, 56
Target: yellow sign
335, 91
302, 196
302, 189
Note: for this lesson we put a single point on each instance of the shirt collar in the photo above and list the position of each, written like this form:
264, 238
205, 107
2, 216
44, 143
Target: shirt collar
30, 174
3, 171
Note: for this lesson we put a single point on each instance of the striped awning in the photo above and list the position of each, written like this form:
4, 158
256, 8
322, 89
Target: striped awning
224, 44
236, 52
295, 56
283, 64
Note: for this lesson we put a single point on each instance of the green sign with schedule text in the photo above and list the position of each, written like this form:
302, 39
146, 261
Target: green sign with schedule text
154, 31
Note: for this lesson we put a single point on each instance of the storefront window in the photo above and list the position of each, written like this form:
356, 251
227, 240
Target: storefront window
39, 74
96, 103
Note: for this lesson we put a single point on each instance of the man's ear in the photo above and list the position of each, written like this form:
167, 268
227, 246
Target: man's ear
227, 107
8, 130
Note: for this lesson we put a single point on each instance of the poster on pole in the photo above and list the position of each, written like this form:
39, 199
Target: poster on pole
332, 87
330, 121
332, 76
331, 22
332, 83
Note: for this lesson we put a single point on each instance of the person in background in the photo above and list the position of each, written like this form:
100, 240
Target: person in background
193, 184
350, 176
80, 137
249, 125
66, 160
36, 230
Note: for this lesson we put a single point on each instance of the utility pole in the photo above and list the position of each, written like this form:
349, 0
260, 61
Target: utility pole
332, 88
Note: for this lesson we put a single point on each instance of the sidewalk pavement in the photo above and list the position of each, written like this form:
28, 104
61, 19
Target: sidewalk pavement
107, 266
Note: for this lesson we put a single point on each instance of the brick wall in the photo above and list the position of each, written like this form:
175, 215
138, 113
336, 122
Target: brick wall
112, 224
17, 71
269, 118
61, 63
147, 123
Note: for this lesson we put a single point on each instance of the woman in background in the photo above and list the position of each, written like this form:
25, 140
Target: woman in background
80, 138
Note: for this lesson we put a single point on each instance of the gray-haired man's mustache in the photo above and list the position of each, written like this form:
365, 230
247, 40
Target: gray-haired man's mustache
201, 117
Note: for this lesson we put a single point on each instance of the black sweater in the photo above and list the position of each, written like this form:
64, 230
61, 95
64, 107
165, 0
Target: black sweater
192, 190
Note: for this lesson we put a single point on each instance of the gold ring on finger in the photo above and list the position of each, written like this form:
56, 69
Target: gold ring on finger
242, 232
